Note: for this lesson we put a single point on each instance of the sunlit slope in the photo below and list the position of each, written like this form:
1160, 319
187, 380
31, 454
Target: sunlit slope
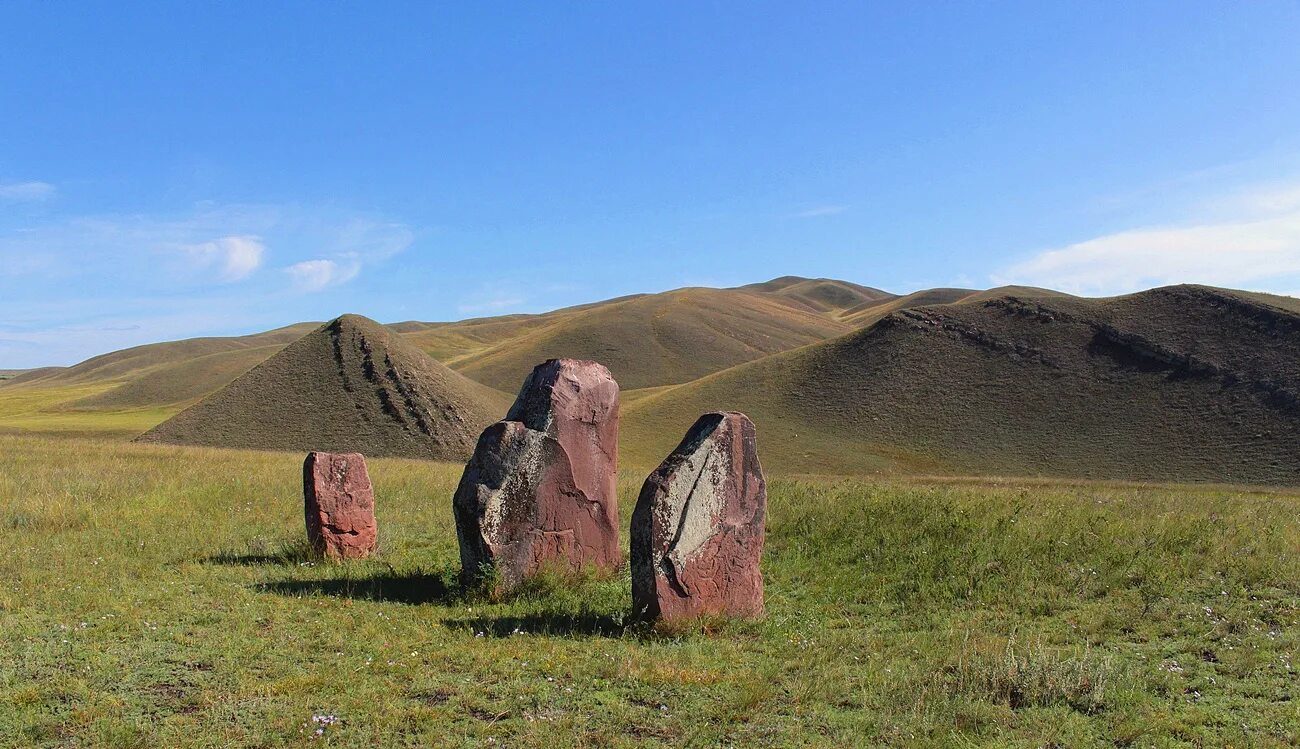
128, 362
657, 339
822, 295
182, 382
162, 375
651, 339
350, 385
449, 341
1178, 383
18, 376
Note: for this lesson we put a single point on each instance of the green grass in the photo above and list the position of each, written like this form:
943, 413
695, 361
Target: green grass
159, 596
47, 410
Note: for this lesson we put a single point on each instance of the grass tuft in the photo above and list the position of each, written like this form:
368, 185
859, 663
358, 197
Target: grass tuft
1032, 675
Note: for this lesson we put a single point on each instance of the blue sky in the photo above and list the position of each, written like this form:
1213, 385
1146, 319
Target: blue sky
178, 169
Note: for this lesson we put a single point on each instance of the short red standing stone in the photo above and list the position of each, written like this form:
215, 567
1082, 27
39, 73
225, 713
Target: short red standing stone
339, 504
540, 488
697, 531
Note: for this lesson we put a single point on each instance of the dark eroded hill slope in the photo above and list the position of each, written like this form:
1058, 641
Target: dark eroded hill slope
1177, 383
349, 385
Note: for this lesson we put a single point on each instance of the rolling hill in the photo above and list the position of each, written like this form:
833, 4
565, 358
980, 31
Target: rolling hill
646, 339
656, 339
127, 362
821, 295
1178, 383
8, 375
158, 375
351, 384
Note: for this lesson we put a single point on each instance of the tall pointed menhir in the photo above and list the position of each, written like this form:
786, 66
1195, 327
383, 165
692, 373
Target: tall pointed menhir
698, 527
540, 488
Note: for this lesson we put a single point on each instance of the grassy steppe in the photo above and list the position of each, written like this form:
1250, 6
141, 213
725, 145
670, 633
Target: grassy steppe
51, 411
159, 596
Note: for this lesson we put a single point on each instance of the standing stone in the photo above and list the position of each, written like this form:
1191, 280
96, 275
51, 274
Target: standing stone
697, 531
339, 504
540, 489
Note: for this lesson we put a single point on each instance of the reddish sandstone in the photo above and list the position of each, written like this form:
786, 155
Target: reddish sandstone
339, 504
697, 531
540, 488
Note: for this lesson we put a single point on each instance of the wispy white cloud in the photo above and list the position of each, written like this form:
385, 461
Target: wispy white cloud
490, 298
234, 257
210, 243
349, 247
321, 274
821, 210
61, 275
1249, 239
27, 191
491, 305
1270, 199
369, 240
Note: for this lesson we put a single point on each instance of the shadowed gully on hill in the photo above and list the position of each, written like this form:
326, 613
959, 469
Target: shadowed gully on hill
350, 385
1177, 383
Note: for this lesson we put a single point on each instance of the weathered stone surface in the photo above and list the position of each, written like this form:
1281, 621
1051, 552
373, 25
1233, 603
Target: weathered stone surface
339, 504
540, 488
697, 531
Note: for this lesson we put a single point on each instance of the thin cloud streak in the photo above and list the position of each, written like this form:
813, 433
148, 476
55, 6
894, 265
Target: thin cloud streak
821, 210
27, 191
1252, 240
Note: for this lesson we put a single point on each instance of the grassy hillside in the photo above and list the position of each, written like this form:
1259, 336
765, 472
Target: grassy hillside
159, 596
177, 383
351, 384
648, 339
1169, 384
1184, 383
865, 315
448, 342
821, 295
120, 365
43, 410
18, 376
158, 377
656, 339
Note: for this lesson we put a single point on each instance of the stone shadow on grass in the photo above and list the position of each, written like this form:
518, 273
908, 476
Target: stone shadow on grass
544, 623
410, 588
